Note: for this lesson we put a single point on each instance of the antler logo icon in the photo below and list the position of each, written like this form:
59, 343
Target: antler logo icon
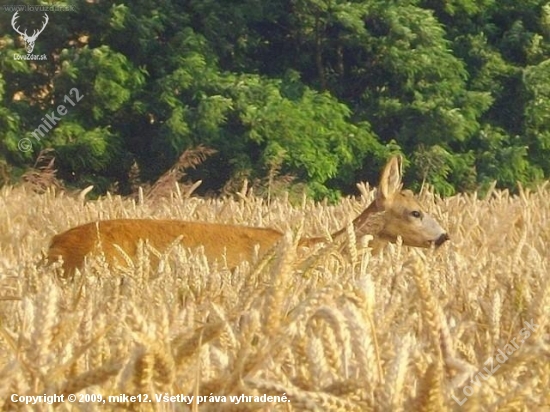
29, 40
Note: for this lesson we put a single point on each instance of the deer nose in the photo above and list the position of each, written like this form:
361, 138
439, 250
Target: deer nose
442, 239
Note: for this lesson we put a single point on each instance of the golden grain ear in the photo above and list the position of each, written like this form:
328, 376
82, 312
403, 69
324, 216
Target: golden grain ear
390, 181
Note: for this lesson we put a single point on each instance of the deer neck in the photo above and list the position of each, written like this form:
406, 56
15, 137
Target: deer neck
369, 222
365, 224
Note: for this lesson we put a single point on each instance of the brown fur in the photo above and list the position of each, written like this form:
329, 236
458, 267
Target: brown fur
235, 243
402, 216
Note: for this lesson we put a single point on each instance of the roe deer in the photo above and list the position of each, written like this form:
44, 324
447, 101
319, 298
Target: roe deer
401, 216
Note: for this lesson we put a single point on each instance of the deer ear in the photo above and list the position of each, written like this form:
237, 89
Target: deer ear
390, 181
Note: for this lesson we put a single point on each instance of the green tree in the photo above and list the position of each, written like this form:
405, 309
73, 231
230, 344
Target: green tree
537, 115
324, 89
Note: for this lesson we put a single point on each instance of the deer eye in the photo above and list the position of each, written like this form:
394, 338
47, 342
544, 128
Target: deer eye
416, 214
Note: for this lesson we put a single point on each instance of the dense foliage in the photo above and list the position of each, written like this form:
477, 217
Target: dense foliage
323, 90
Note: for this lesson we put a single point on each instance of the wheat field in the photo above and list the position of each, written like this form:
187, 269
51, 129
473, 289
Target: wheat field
461, 328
